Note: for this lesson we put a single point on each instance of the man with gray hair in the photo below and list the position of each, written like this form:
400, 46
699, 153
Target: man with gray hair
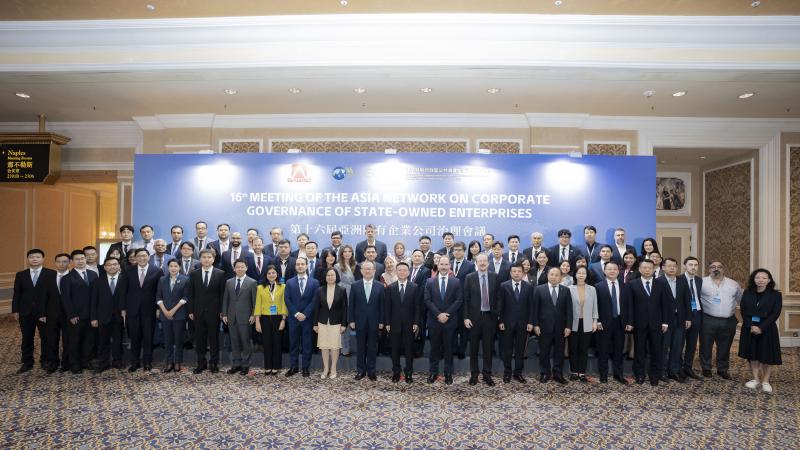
161, 257
537, 239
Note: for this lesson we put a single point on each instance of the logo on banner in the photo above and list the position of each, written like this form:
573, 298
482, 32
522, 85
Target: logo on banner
299, 174
340, 172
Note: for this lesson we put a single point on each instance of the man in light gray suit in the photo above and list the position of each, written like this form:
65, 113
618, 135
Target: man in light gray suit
238, 304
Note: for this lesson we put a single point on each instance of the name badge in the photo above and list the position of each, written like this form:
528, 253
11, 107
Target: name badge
716, 300
756, 319
283, 281
273, 310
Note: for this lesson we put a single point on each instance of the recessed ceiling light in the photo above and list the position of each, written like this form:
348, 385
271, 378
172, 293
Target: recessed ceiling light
558, 2
493, 90
295, 90
343, 2
150, 7
702, 157
231, 91
649, 93
22, 95
679, 93
663, 162
755, 4
747, 94
426, 90
359, 90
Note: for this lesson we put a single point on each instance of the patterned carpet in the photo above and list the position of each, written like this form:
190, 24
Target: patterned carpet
117, 409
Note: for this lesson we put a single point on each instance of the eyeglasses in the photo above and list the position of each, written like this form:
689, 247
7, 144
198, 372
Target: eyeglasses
715, 267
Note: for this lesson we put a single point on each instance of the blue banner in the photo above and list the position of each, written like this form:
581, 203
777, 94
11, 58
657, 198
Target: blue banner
404, 195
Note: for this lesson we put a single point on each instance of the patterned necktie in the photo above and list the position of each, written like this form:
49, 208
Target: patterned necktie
141, 277
516, 290
694, 295
239, 285
484, 294
563, 253
647, 287
185, 266
554, 296
35, 277
513, 258
113, 285
302, 285
414, 273
615, 312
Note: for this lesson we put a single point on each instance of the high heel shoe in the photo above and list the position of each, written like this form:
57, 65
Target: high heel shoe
324, 374
333, 374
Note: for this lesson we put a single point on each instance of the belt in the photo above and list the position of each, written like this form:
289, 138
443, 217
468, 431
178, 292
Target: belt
715, 317
488, 313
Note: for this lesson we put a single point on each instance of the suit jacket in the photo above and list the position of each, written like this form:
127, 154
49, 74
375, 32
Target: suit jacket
554, 255
119, 246
504, 274
166, 258
197, 248
450, 304
106, 306
270, 250
378, 271
300, 303
445, 251
171, 297
698, 286
225, 261
403, 312
681, 303
465, 268
337, 313
193, 265
140, 299
319, 274
597, 272
513, 309
290, 272
528, 252
507, 256
472, 296
768, 309
589, 312
367, 315
593, 255
175, 250
76, 294
252, 270
429, 260
380, 247
423, 274
615, 253
552, 318
648, 310
206, 301
34, 300
542, 278
605, 307
238, 308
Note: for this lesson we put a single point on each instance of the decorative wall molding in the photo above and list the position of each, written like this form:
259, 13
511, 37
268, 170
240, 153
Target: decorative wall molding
500, 146
791, 284
359, 120
117, 134
241, 145
615, 148
692, 227
326, 145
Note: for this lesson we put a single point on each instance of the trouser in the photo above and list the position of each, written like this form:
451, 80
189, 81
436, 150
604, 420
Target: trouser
720, 332
481, 336
300, 337
514, 338
441, 345
402, 342
460, 338
366, 349
346, 336
80, 344
206, 333
140, 330
673, 346
690, 340
109, 339
174, 331
271, 336
611, 344
419, 342
579, 349
28, 324
241, 344
57, 335
647, 339
552, 342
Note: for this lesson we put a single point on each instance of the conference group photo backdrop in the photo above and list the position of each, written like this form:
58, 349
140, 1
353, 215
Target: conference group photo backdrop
404, 195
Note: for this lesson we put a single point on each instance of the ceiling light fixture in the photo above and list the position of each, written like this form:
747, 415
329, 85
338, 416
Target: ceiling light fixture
22, 95
231, 91
359, 90
755, 4
426, 90
150, 7
746, 95
649, 93
493, 90
343, 2
679, 94
702, 157
295, 90
558, 2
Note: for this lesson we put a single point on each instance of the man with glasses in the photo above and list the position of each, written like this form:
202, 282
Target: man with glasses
719, 297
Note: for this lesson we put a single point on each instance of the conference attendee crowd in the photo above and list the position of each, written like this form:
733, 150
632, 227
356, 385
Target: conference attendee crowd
491, 297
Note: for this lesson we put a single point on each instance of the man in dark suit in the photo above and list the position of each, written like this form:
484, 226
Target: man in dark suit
106, 315
650, 314
276, 236
481, 313
461, 268
620, 247
514, 253
678, 298
370, 253
257, 261
419, 276
201, 239
564, 250
222, 244
537, 239
365, 306
443, 300
285, 263
425, 247
516, 321
34, 291
590, 248
206, 290
174, 247
552, 322
499, 264
402, 311
139, 308
299, 296
57, 332
126, 233
448, 239
235, 252
695, 284
161, 258
302, 239
336, 243
186, 258
598, 268
238, 303
76, 297
312, 257
361, 247
615, 313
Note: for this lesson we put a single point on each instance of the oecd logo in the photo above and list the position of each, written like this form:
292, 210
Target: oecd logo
340, 172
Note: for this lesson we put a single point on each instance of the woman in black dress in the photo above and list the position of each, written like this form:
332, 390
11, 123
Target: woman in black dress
759, 342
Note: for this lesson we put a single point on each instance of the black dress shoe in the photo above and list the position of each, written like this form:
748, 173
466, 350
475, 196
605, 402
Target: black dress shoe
488, 380
620, 379
520, 378
24, 368
63, 369
707, 373
653, 382
116, 365
409, 379
448, 379
544, 378
233, 370
583, 379
604, 379
133, 368
169, 368
506, 378
473, 379
292, 371
691, 374
359, 376
640, 380
396, 378
432, 378
573, 377
664, 379
147, 367
724, 375
198, 370
101, 369
678, 378
372, 377
560, 379
306, 373
214, 368
51, 369
244, 371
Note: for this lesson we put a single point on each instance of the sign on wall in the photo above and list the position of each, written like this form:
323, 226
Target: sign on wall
24, 162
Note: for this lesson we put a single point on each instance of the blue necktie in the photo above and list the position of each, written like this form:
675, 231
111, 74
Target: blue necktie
113, 285
302, 285
615, 313
238, 286
205, 279
647, 287
694, 296
442, 287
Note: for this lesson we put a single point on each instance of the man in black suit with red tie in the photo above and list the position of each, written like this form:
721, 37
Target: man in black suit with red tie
34, 294
650, 315
106, 315
481, 313
402, 311
615, 313
443, 299
76, 297
552, 322
206, 289
139, 308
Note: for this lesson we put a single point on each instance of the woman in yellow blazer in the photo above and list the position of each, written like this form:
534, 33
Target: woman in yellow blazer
270, 314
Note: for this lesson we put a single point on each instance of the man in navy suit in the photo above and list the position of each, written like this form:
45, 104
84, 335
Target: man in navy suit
299, 296
257, 261
222, 244
403, 301
552, 322
498, 263
695, 283
443, 299
235, 251
139, 308
590, 248
598, 267
34, 291
564, 250
516, 321
370, 255
301, 239
106, 315
365, 307
615, 313
174, 247
514, 252
186, 259
650, 315
461, 268
76, 297
380, 247
678, 298
276, 236
126, 233
620, 247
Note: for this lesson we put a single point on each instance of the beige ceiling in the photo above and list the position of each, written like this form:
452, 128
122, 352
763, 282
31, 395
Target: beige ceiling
129, 9
73, 96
